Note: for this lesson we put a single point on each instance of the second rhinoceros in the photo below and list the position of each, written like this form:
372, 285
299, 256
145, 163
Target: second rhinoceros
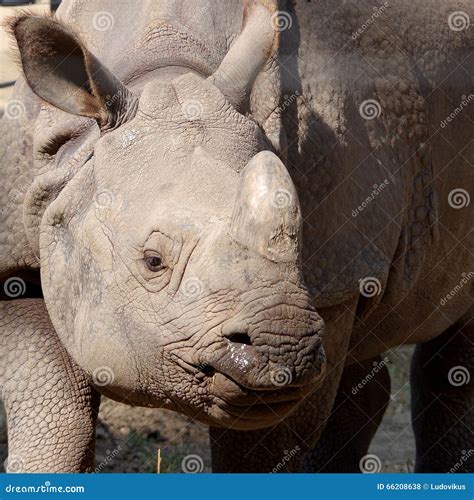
232, 210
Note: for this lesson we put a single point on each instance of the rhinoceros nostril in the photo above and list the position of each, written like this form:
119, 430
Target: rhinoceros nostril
208, 370
240, 338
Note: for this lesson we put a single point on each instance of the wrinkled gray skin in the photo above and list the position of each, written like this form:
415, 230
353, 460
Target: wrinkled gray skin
160, 156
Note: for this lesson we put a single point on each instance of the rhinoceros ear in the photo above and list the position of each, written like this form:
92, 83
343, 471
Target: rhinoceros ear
60, 70
244, 61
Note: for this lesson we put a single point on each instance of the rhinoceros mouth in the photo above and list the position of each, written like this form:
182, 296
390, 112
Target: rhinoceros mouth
233, 392
231, 404
278, 389
242, 408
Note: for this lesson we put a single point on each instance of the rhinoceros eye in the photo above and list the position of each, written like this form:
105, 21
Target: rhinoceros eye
153, 262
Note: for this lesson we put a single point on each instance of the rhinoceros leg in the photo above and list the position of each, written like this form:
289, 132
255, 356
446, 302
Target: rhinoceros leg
362, 398
279, 449
51, 408
443, 400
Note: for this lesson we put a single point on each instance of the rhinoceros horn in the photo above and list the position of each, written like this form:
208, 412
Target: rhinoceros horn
266, 217
258, 39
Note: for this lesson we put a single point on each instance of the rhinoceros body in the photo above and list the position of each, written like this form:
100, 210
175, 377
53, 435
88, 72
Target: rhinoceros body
232, 210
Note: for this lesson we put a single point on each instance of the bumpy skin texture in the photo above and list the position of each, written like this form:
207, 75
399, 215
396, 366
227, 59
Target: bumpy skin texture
51, 407
91, 194
17, 174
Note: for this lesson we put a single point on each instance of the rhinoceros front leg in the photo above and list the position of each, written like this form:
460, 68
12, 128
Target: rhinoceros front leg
279, 449
362, 398
51, 408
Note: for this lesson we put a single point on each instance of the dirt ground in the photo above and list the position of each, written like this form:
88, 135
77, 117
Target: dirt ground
128, 439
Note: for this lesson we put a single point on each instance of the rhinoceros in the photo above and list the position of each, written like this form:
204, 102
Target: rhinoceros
233, 209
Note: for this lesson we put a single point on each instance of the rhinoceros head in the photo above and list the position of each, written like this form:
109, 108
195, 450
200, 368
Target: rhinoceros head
170, 251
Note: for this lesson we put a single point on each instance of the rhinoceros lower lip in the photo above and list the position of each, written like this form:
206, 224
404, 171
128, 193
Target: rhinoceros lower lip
253, 409
235, 406
264, 393
235, 395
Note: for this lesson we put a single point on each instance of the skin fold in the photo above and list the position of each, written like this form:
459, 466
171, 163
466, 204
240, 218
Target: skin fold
232, 210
